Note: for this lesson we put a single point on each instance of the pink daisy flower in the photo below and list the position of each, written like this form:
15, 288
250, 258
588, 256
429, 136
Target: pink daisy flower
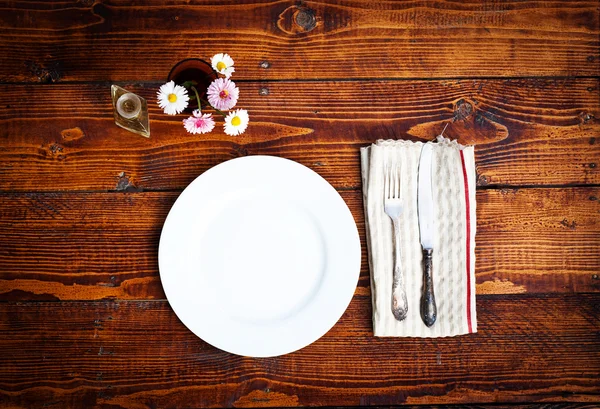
199, 123
223, 94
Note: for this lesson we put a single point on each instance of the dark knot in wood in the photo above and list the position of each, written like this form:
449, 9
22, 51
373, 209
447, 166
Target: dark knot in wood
585, 117
126, 184
47, 73
462, 109
297, 20
482, 180
305, 18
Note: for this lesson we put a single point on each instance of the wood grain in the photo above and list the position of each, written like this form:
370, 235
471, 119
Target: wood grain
83, 318
527, 132
138, 355
116, 40
490, 405
85, 246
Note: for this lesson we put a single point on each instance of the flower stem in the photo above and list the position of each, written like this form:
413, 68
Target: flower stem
218, 111
197, 96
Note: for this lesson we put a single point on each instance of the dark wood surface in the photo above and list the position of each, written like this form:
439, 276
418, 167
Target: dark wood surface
83, 318
91, 40
137, 354
527, 131
91, 246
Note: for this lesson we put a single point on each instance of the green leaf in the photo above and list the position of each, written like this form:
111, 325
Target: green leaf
189, 84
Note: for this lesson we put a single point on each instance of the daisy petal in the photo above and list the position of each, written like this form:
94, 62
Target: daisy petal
223, 94
173, 99
236, 122
223, 64
199, 123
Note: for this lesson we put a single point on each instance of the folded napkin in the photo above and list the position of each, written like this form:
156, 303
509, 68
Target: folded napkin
453, 180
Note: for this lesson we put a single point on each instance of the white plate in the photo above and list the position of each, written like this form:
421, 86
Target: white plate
259, 256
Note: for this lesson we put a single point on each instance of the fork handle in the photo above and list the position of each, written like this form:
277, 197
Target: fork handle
428, 307
399, 302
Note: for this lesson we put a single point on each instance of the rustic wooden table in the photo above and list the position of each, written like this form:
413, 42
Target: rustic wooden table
83, 318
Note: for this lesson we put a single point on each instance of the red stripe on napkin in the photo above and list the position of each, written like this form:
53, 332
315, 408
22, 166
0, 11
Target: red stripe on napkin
466, 183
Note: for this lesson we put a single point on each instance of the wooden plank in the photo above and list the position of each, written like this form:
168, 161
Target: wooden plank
529, 348
528, 240
485, 406
527, 132
489, 405
89, 246
116, 40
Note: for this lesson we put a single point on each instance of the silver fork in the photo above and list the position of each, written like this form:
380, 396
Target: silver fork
393, 208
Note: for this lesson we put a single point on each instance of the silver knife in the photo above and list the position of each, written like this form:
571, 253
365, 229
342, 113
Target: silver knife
427, 231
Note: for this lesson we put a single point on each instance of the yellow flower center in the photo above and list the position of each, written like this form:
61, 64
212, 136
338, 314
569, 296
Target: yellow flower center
172, 98
221, 66
223, 94
236, 121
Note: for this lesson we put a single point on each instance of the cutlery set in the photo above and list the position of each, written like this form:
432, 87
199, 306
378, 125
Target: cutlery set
393, 207
419, 201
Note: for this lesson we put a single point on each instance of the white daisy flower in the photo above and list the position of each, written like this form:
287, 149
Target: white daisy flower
236, 122
173, 99
223, 64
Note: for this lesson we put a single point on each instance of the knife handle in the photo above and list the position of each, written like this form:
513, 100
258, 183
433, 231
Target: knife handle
428, 307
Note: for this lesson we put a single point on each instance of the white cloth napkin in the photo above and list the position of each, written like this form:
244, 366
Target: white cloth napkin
454, 250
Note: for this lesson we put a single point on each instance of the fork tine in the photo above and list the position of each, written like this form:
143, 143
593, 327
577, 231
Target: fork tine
386, 182
392, 182
395, 176
399, 175
391, 177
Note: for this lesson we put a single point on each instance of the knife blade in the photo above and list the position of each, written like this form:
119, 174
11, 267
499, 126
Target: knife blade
427, 232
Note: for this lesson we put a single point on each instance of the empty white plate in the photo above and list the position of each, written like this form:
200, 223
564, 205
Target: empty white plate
259, 256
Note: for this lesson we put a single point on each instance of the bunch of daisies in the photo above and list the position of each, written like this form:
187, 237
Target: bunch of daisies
222, 95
